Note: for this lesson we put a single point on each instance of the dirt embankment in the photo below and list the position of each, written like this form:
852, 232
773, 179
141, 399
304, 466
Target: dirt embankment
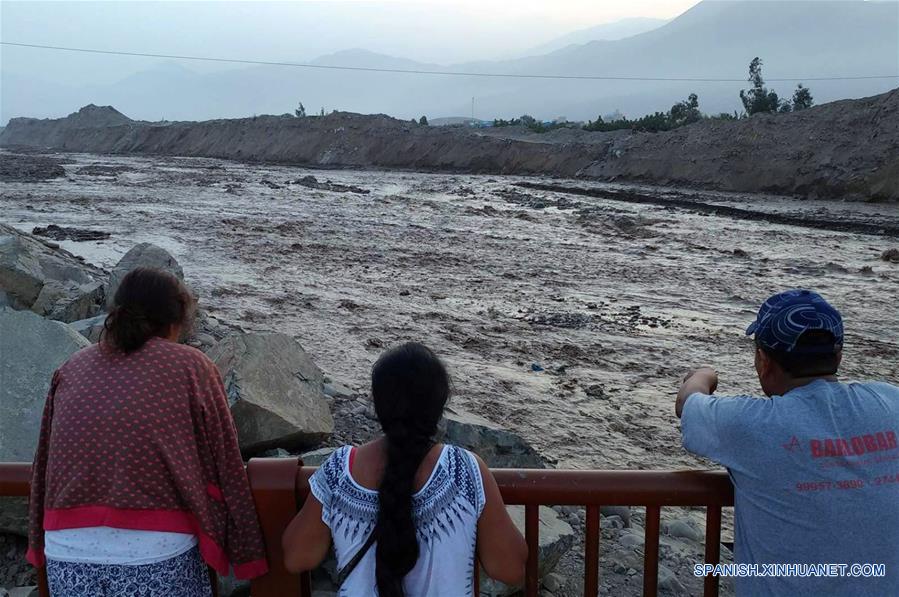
845, 149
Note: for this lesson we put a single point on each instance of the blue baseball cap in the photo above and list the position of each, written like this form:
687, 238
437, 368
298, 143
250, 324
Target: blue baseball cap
784, 317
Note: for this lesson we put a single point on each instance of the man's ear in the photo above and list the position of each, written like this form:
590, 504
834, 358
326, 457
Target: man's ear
769, 368
762, 362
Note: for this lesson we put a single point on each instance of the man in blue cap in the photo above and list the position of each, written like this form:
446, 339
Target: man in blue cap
815, 466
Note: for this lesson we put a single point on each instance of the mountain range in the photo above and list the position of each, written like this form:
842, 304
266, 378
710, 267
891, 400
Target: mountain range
798, 40
605, 32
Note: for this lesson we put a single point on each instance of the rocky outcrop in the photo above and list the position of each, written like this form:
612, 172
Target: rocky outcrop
15, 571
844, 149
29, 591
45, 279
141, 255
14, 516
841, 149
556, 538
275, 391
340, 139
91, 328
500, 448
31, 348
54, 232
317, 457
64, 131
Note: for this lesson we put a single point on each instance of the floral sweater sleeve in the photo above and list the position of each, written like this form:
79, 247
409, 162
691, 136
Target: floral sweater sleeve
242, 531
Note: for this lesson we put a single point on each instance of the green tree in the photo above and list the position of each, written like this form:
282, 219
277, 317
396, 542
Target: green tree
759, 98
300, 112
423, 120
681, 114
652, 123
322, 113
595, 125
685, 112
802, 98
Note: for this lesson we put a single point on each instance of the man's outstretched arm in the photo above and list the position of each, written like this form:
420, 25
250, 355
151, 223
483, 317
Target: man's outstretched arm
703, 380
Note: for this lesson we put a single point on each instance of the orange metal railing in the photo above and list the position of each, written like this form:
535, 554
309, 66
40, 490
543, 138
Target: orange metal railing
275, 483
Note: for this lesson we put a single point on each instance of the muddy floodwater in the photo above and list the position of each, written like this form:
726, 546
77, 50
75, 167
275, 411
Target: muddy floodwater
567, 318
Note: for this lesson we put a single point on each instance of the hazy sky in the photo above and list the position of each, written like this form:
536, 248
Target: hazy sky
441, 31
805, 38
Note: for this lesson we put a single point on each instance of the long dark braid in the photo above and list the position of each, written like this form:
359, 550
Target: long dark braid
410, 387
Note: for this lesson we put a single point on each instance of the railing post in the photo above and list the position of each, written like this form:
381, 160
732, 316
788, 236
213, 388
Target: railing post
591, 552
712, 548
651, 552
532, 536
273, 482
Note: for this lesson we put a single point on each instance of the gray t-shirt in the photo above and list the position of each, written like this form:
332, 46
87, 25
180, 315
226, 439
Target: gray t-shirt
816, 478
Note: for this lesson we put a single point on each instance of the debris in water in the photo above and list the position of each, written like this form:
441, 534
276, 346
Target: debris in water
312, 183
76, 234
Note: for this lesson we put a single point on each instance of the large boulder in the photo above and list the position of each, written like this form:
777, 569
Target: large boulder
45, 279
229, 586
275, 391
556, 538
317, 457
500, 448
91, 328
142, 255
31, 348
14, 515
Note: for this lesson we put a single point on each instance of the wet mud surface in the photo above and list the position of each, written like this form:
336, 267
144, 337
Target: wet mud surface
568, 318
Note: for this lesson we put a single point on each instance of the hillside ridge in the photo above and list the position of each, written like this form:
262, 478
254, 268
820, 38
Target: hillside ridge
847, 149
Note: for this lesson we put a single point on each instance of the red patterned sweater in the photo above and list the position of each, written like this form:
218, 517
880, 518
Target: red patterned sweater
145, 441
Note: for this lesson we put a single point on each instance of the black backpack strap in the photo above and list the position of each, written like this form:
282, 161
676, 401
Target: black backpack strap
344, 572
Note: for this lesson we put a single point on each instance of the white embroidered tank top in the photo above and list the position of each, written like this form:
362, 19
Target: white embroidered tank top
446, 511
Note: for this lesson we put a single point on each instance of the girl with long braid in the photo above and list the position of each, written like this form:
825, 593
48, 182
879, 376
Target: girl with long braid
405, 513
